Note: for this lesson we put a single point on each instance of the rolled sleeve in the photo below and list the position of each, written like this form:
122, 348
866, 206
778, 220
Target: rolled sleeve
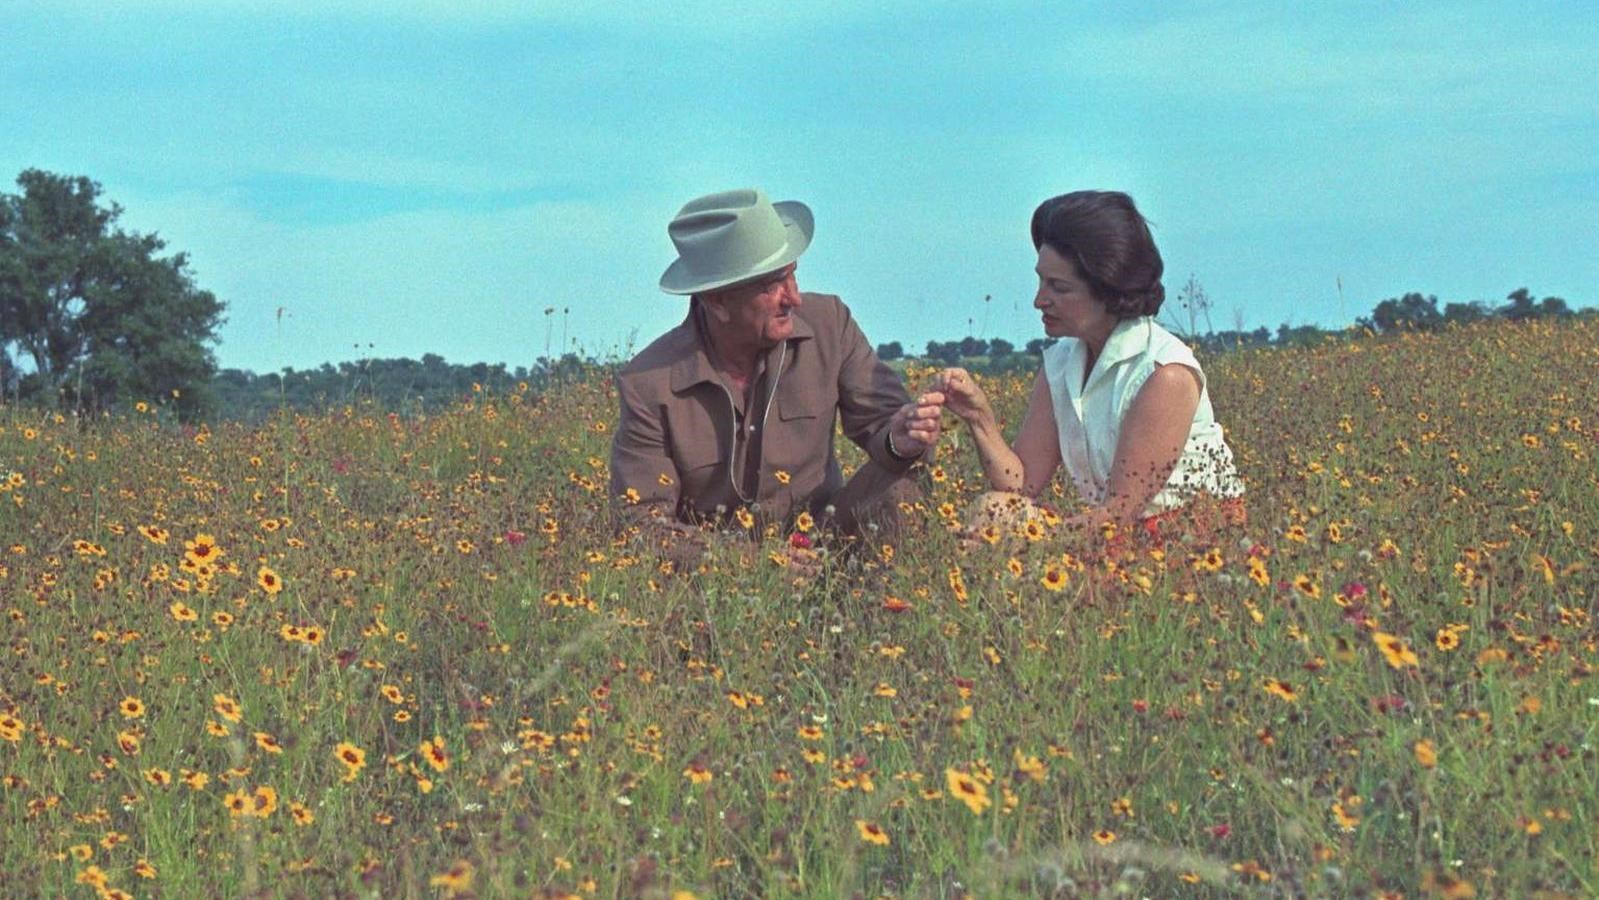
869, 393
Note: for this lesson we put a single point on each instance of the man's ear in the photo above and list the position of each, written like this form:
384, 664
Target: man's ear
715, 304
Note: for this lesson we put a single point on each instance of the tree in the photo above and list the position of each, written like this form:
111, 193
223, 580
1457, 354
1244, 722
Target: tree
1000, 347
1553, 307
1520, 306
1037, 346
98, 313
948, 352
1465, 313
1299, 335
972, 346
890, 351
1410, 311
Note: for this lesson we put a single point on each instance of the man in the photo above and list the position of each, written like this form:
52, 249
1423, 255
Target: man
729, 417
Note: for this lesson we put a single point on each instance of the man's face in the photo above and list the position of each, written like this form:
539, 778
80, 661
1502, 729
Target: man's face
761, 312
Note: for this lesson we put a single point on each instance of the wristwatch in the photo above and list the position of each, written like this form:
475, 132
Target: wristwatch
895, 453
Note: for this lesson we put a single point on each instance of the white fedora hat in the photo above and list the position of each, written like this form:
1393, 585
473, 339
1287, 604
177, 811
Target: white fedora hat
733, 236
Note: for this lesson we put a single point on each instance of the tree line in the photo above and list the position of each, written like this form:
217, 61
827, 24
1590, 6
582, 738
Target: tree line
401, 385
1412, 312
95, 318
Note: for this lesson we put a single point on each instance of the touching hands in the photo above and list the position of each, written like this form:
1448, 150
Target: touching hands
917, 425
962, 396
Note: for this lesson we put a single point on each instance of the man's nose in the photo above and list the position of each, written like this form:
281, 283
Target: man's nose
791, 293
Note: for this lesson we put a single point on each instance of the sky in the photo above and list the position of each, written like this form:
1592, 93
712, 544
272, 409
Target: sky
491, 180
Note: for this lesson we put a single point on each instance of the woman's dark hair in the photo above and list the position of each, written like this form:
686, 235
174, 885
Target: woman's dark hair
1103, 232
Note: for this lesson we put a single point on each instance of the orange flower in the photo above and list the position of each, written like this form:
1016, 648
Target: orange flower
1395, 651
1426, 754
967, 790
455, 880
1031, 766
263, 802
203, 549
269, 581
957, 583
1281, 689
1054, 579
238, 803
433, 752
227, 707
353, 758
871, 832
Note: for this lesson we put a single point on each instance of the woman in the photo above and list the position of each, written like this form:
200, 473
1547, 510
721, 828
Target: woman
1119, 399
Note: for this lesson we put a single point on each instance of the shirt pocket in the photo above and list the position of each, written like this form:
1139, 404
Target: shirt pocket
797, 407
798, 434
696, 452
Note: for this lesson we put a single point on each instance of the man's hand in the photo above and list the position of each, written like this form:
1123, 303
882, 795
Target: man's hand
916, 425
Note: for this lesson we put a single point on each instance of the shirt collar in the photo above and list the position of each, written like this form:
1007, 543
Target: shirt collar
1127, 340
694, 366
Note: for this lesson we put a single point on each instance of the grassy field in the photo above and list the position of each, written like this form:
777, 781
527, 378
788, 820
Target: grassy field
357, 655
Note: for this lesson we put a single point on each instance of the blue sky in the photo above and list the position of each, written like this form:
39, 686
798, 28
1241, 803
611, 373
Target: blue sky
404, 178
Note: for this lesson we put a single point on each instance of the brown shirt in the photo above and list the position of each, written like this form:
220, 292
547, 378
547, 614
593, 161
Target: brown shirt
681, 437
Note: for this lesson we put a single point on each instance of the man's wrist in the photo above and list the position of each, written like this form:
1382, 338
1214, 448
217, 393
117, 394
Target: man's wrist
894, 451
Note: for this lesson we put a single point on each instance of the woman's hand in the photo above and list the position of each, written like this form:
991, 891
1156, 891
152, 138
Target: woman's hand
962, 395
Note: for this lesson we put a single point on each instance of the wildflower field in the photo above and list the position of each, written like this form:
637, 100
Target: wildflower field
363, 655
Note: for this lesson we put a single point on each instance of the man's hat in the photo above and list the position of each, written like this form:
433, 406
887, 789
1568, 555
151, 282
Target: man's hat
734, 236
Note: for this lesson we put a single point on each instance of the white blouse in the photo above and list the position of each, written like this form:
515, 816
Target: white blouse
1089, 416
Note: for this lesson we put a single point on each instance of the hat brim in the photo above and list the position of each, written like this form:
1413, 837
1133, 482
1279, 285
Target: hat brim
799, 226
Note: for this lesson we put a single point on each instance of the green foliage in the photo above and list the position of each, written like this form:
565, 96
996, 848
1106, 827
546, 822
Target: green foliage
1414, 312
96, 312
402, 385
